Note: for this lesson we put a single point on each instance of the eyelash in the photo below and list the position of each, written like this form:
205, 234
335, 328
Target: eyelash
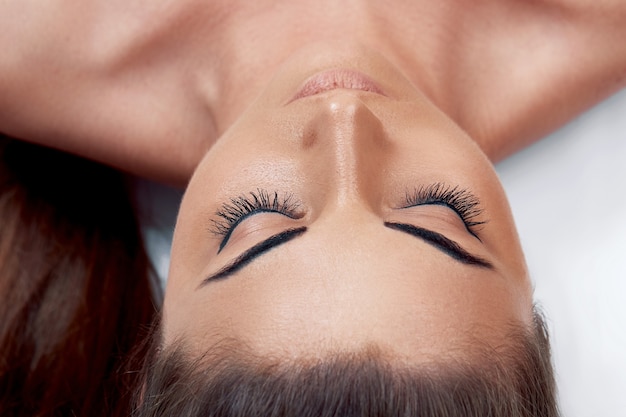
233, 213
463, 202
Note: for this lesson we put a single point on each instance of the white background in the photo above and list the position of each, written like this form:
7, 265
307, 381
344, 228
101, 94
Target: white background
568, 194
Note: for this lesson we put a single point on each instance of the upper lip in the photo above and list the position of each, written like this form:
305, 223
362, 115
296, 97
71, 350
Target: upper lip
334, 79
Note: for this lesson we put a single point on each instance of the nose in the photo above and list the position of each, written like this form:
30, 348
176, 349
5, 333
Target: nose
349, 140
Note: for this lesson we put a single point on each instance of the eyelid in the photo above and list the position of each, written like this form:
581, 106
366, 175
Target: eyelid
226, 238
239, 208
460, 200
433, 215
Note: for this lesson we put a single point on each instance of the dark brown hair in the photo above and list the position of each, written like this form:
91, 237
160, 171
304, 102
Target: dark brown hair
75, 290
231, 381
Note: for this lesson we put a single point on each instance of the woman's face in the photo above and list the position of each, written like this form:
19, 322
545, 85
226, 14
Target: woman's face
348, 216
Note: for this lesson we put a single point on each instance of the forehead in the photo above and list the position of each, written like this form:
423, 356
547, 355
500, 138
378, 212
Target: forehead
328, 291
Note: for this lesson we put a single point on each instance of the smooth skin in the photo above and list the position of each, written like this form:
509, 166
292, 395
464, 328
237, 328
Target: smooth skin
347, 157
150, 86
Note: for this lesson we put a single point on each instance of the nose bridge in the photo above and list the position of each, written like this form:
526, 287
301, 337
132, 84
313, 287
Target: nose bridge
351, 139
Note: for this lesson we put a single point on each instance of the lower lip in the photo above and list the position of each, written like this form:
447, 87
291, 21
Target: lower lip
335, 79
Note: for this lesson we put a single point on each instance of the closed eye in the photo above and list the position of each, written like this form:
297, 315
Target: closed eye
464, 203
231, 214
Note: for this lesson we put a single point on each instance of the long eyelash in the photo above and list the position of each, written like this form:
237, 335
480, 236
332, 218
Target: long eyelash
466, 204
244, 205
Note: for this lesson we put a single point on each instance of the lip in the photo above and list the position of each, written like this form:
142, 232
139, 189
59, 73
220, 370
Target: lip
337, 79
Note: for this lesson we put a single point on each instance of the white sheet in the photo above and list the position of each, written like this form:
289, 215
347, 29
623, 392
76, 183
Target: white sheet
568, 194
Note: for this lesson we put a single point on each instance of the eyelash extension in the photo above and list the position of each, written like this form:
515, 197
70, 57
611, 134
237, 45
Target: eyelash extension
232, 213
462, 201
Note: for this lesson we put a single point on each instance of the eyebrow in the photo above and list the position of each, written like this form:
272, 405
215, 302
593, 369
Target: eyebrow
439, 241
252, 253
442, 243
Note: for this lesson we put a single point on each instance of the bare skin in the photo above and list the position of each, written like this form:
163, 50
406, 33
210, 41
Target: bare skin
149, 87
166, 89
348, 276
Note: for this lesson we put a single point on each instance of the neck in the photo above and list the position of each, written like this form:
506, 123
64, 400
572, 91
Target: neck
498, 70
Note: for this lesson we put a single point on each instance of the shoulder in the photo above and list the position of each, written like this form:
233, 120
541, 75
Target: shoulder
536, 65
97, 78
